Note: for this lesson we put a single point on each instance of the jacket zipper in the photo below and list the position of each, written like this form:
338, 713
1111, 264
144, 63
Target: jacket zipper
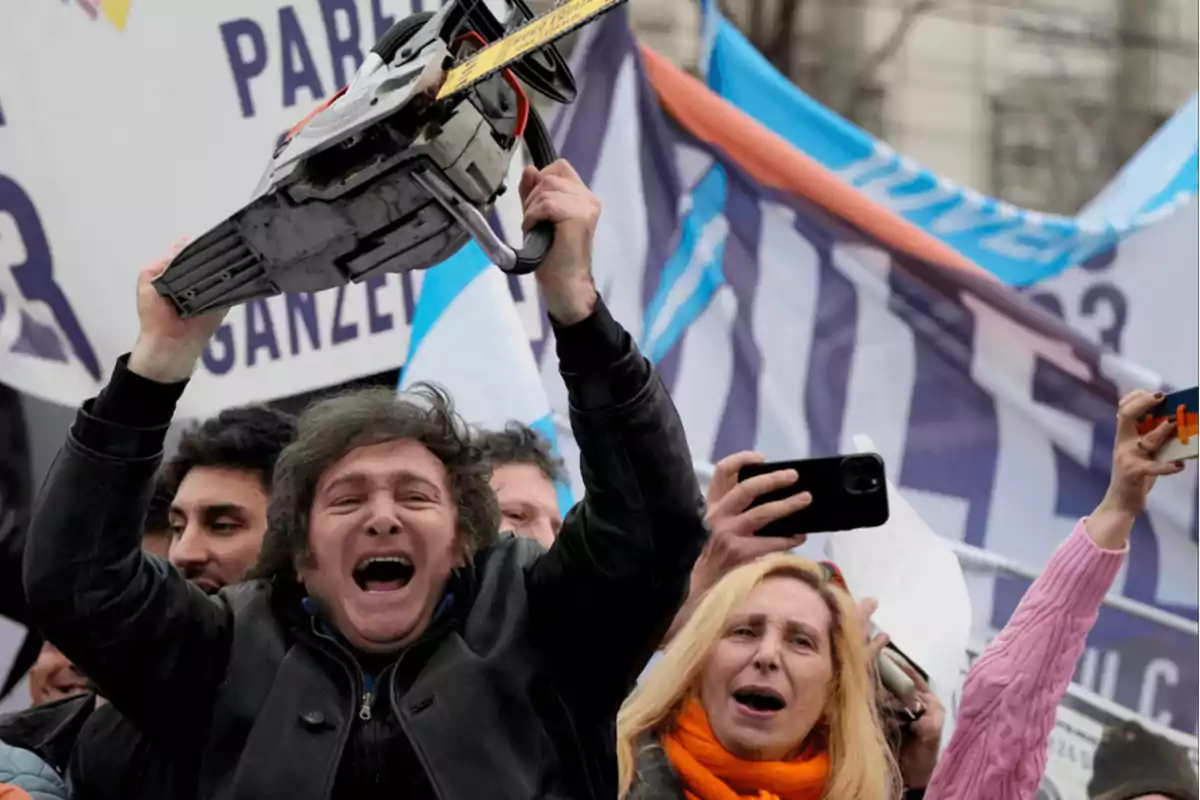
355, 683
368, 697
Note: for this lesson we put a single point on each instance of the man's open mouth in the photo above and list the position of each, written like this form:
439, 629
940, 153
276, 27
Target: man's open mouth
383, 573
758, 698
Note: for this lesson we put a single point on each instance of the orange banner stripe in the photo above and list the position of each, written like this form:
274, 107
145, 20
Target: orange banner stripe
773, 162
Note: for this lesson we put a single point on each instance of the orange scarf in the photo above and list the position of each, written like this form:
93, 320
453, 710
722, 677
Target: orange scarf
710, 772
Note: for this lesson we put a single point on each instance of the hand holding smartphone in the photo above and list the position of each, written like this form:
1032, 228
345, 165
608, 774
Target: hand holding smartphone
848, 492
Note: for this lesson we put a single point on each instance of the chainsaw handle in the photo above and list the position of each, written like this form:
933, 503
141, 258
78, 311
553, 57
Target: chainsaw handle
537, 245
540, 237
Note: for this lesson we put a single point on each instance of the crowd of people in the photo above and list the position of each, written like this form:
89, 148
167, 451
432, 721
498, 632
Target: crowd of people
375, 600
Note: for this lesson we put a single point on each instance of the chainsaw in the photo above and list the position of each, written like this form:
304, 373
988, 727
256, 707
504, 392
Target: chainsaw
399, 169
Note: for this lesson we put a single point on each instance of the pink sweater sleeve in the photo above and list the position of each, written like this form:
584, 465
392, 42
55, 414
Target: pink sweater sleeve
1000, 742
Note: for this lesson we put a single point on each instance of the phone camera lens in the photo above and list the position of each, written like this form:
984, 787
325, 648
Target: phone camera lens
861, 475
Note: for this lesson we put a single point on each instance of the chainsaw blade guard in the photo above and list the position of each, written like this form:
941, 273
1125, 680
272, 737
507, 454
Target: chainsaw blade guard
384, 176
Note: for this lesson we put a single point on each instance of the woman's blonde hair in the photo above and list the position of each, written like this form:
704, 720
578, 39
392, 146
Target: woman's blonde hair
862, 765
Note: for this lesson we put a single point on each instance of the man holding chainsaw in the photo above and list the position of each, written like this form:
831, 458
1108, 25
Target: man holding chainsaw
394, 644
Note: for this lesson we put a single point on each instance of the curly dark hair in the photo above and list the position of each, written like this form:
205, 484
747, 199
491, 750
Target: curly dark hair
250, 438
520, 444
330, 429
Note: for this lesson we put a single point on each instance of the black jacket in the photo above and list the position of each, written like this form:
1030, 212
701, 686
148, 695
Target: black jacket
49, 730
513, 693
15, 480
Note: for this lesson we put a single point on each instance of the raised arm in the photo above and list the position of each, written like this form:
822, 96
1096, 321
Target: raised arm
606, 592
154, 645
1012, 693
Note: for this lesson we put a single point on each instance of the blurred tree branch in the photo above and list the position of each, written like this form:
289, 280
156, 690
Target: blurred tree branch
863, 79
774, 27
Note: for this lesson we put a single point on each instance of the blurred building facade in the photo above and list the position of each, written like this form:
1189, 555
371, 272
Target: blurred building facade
1038, 102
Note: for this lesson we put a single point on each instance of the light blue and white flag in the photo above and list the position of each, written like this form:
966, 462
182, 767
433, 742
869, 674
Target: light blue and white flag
778, 327
1017, 245
1162, 171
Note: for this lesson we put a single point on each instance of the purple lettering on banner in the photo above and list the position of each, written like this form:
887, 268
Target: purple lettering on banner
35, 281
382, 20
302, 308
1048, 301
835, 334
1106, 296
739, 419
260, 332
581, 144
233, 33
38, 341
949, 413
340, 48
410, 296
378, 322
295, 48
342, 333
1101, 261
222, 340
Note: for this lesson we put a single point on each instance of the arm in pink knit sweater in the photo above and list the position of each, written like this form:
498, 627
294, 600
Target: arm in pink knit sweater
998, 750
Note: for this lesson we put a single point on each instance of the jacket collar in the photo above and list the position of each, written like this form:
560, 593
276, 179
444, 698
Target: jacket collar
292, 604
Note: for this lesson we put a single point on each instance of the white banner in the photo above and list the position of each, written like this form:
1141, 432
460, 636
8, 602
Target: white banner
1139, 299
124, 126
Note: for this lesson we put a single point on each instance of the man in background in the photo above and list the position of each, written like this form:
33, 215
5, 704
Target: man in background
524, 477
219, 481
218, 484
208, 517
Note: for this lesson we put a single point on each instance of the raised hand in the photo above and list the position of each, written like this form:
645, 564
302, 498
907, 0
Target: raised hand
1134, 471
168, 347
557, 194
733, 523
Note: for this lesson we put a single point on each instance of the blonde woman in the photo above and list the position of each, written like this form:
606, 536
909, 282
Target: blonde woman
764, 693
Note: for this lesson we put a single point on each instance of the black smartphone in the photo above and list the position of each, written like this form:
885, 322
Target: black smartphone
849, 492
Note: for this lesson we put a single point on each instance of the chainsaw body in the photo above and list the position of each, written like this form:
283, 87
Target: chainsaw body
384, 178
